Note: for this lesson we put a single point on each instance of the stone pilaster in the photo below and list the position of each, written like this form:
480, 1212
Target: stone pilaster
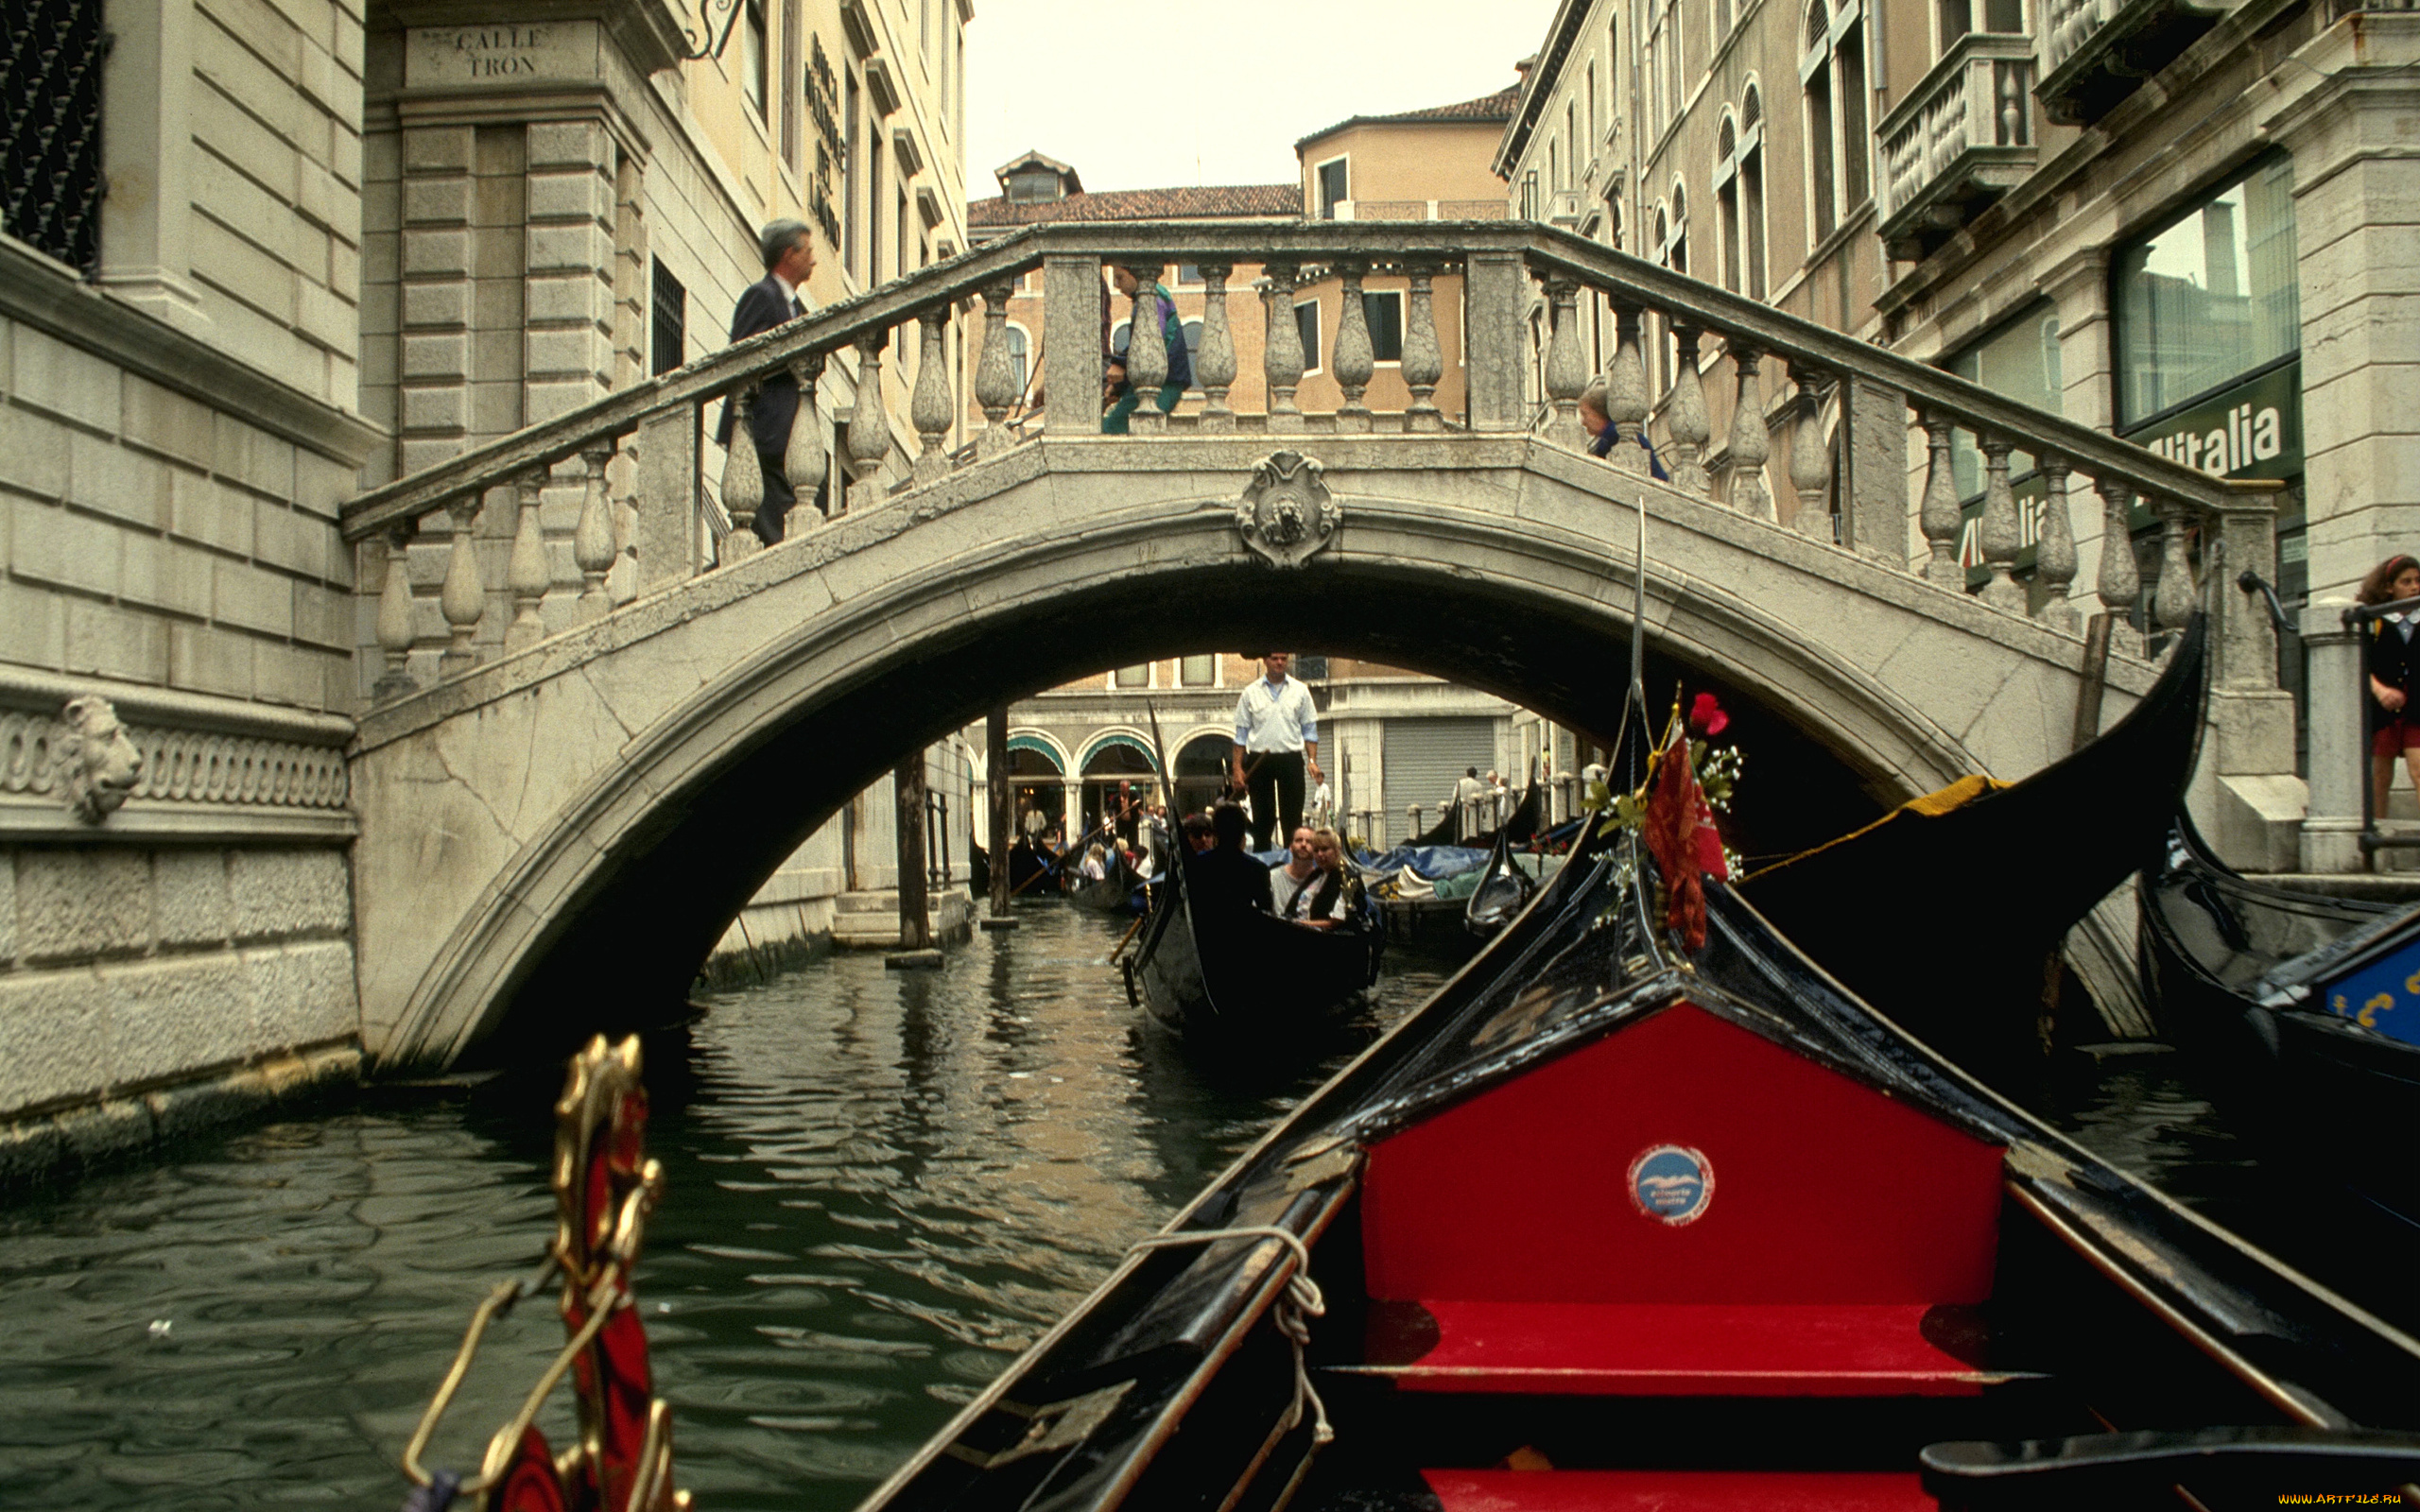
2357, 216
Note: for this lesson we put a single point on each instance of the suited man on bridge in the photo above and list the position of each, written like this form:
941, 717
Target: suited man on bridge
788, 246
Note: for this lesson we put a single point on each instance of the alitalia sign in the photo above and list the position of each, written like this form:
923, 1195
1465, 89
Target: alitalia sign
2251, 430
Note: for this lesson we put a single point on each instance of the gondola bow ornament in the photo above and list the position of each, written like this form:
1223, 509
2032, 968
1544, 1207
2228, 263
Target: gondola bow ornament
605, 1187
1679, 830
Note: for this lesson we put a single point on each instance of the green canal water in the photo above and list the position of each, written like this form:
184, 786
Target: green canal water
882, 1187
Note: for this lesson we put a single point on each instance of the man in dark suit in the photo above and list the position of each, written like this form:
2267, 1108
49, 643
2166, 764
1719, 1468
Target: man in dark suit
788, 246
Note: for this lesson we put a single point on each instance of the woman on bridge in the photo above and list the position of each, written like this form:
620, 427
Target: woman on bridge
2393, 659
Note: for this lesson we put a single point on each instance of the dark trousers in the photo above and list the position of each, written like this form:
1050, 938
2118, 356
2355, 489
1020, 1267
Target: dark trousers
1275, 778
772, 516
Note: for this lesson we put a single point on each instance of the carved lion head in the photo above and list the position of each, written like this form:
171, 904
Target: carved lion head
97, 765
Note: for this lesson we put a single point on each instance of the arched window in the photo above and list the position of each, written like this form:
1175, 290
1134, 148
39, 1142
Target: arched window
1018, 351
1679, 247
1726, 198
1739, 196
1831, 63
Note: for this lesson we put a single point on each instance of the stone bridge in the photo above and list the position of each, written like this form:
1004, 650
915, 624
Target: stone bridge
555, 838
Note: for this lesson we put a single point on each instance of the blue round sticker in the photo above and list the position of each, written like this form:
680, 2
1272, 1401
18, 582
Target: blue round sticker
1672, 1184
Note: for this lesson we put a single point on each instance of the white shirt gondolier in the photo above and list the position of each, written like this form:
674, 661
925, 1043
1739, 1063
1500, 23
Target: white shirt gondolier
1277, 740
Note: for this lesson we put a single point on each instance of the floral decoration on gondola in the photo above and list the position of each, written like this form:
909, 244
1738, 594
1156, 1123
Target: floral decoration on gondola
1689, 781
605, 1186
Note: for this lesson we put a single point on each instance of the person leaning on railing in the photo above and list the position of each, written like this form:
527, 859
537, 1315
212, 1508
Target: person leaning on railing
789, 248
2393, 662
1600, 429
1115, 391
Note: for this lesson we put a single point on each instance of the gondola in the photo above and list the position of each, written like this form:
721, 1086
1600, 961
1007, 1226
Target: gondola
1114, 893
1501, 893
1602, 1227
1976, 885
2301, 1004
1239, 980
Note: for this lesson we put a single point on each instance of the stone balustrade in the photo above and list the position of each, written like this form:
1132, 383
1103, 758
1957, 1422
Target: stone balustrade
1848, 485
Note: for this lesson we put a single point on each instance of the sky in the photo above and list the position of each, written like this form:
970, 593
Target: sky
1147, 97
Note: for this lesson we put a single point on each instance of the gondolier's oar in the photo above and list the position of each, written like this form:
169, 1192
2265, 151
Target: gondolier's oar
1123, 938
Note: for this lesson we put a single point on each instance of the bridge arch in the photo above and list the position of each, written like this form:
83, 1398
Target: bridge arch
495, 890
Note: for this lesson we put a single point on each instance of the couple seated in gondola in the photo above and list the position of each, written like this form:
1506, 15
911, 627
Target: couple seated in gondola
1308, 888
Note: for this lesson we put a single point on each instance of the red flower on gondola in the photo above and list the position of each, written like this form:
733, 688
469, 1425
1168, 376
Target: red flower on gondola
1707, 716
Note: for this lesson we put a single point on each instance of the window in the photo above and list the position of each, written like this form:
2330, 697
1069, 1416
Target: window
1678, 250
1832, 64
1139, 675
793, 94
667, 322
1197, 671
849, 156
1571, 135
2019, 361
50, 132
1188, 272
1383, 310
2210, 296
753, 55
1306, 320
874, 204
1334, 185
1954, 18
1740, 197
1721, 21
1018, 354
1554, 163
1592, 107
1193, 348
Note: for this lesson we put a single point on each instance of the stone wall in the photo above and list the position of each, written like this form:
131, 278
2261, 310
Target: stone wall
129, 978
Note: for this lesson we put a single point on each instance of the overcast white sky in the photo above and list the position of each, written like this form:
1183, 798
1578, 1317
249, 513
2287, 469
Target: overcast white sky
1145, 97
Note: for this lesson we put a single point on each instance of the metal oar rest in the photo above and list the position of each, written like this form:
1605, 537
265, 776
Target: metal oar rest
2271, 1464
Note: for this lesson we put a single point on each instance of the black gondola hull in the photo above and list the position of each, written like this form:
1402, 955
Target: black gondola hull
1237, 980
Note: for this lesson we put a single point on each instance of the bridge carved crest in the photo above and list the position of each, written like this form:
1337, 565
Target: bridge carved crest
1286, 512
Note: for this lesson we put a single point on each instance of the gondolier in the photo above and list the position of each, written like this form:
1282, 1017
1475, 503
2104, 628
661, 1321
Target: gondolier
1277, 739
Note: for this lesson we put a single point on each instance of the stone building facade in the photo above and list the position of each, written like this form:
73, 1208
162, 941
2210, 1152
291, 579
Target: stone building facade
2181, 225
178, 349
293, 249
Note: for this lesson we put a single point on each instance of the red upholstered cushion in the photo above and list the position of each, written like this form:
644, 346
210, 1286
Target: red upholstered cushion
1824, 1191
1676, 1492
1666, 1349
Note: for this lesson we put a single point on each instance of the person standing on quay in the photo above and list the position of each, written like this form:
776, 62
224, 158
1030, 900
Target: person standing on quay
788, 247
2393, 660
1277, 738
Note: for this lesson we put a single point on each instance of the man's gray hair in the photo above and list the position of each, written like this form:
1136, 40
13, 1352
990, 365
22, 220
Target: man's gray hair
777, 239
1594, 395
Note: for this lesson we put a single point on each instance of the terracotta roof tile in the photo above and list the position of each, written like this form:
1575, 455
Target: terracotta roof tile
1497, 108
1218, 201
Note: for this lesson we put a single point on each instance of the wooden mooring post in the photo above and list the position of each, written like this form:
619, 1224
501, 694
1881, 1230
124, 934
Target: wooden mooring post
907, 784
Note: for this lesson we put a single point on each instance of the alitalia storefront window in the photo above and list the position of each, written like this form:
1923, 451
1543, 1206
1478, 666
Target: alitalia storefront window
2208, 337
2019, 360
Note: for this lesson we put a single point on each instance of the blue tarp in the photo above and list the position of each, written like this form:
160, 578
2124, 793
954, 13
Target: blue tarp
1434, 862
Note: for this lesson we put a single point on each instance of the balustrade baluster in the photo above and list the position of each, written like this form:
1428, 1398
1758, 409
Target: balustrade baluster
396, 625
465, 596
802, 458
1423, 359
2054, 549
2002, 530
1810, 460
1685, 421
1214, 366
743, 476
1355, 364
2119, 582
2172, 601
592, 540
1567, 375
527, 572
1625, 395
930, 406
1282, 358
869, 425
1147, 354
622, 578
1938, 516
995, 381
1752, 445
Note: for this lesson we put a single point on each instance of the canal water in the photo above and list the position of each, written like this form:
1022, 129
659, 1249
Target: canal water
882, 1187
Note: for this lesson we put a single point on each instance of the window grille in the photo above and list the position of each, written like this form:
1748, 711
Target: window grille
670, 321
50, 127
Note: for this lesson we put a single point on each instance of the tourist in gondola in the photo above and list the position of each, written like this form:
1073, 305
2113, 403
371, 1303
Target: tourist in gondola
1226, 875
1327, 899
2393, 657
1198, 835
1095, 866
1277, 741
1288, 878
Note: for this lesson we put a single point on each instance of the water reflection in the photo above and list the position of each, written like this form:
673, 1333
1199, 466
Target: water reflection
882, 1186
